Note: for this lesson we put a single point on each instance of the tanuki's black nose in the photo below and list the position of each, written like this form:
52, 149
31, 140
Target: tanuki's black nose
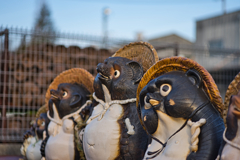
54, 93
99, 67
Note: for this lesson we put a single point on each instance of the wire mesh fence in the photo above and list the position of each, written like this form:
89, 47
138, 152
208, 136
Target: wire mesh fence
30, 60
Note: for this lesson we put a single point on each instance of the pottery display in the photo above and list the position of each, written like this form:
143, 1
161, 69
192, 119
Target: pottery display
136, 108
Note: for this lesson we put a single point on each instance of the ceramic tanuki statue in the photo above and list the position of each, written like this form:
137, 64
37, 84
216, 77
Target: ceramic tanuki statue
114, 131
180, 107
33, 138
230, 149
67, 96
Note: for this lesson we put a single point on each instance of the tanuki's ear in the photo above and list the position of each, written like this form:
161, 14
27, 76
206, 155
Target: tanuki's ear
137, 70
195, 77
75, 101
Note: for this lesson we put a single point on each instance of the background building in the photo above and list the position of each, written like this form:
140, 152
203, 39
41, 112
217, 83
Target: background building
218, 32
169, 46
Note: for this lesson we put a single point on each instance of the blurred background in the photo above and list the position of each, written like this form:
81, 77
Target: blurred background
40, 39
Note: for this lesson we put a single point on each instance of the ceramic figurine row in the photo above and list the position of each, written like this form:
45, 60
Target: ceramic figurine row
136, 108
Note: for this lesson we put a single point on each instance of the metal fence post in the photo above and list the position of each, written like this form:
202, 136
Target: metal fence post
5, 77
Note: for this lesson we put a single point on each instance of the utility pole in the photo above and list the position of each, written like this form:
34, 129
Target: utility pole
106, 12
224, 6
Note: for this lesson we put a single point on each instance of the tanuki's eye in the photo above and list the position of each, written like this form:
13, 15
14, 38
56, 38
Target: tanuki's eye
147, 105
64, 94
165, 89
116, 73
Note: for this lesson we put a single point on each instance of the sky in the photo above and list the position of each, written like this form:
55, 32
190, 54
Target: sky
152, 18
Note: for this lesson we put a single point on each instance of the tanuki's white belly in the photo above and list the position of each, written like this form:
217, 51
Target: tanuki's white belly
33, 151
101, 137
60, 145
230, 152
178, 147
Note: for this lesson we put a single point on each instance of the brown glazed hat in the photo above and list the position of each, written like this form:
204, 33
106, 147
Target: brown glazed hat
142, 52
183, 64
233, 89
42, 109
74, 75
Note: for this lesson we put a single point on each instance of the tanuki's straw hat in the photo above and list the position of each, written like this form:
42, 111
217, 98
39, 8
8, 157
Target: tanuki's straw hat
42, 109
142, 52
233, 89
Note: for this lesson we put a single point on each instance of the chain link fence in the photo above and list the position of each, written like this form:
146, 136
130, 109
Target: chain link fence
30, 60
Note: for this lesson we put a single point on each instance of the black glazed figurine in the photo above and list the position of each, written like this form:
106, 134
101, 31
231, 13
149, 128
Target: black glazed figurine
114, 131
41, 125
230, 148
67, 96
179, 107
34, 137
30, 132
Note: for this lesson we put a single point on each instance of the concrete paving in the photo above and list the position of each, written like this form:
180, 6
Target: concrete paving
10, 149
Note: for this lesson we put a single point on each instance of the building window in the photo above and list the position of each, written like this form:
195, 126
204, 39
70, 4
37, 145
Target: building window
217, 44
214, 45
